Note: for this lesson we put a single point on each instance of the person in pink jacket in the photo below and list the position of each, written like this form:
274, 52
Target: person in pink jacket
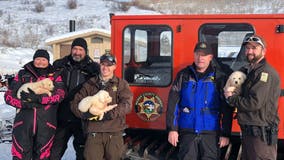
35, 122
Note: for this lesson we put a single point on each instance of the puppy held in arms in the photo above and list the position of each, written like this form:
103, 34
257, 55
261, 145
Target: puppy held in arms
234, 82
97, 104
44, 86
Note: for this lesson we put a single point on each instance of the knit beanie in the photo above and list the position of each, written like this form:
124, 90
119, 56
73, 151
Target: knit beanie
80, 42
41, 53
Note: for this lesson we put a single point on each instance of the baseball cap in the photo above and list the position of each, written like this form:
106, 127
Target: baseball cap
203, 47
108, 58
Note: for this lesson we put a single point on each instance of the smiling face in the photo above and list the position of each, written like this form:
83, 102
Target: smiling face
78, 53
107, 71
254, 52
40, 62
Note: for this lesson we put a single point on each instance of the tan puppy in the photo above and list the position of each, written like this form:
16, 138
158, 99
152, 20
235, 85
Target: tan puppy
234, 82
96, 104
44, 86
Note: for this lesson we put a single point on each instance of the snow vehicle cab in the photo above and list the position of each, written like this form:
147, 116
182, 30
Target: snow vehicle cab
151, 49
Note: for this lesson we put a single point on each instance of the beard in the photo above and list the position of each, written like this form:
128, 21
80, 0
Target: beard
77, 58
254, 59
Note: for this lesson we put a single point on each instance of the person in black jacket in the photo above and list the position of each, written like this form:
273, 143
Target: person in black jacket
35, 122
258, 103
75, 69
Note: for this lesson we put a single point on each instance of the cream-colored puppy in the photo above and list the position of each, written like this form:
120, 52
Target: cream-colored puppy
44, 86
234, 82
96, 104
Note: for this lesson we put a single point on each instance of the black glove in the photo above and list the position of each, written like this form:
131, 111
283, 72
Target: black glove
107, 116
30, 105
89, 116
30, 96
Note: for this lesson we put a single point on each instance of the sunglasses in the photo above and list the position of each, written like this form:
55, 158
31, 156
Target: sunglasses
254, 39
107, 57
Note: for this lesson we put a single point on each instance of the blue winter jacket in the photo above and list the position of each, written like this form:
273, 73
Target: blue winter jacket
195, 102
199, 104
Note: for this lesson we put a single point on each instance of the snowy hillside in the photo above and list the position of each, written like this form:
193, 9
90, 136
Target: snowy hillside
26, 30
29, 26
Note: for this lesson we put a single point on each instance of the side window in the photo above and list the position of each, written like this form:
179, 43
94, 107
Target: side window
166, 43
140, 43
147, 55
229, 43
226, 42
126, 46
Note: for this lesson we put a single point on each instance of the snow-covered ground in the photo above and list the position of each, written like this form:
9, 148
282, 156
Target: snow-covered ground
12, 59
5, 151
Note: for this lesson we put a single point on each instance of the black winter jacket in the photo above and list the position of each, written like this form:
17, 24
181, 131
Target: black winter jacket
74, 75
258, 103
35, 121
46, 108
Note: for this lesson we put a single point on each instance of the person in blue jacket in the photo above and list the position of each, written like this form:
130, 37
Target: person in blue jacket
198, 117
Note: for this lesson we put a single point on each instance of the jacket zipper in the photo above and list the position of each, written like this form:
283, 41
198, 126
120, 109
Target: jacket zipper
35, 117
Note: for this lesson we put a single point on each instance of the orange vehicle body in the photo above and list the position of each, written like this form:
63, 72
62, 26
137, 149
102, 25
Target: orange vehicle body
155, 47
